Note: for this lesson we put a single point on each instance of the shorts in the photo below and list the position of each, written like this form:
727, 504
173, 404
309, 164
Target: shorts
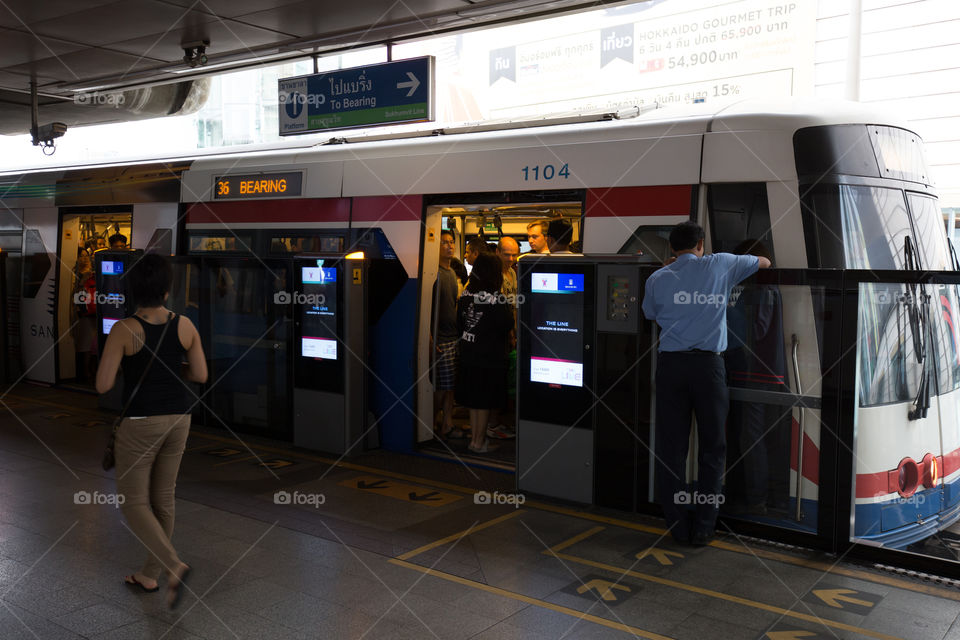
445, 365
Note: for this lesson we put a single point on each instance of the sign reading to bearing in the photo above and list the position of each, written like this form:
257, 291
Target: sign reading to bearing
387, 93
263, 185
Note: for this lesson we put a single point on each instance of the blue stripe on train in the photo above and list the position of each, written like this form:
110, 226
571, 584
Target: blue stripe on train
901, 522
392, 358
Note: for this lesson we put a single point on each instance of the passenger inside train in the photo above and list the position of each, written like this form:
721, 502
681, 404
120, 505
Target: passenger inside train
506, 232
84, 232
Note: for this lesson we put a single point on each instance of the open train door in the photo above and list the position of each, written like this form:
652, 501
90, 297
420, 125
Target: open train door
429, 266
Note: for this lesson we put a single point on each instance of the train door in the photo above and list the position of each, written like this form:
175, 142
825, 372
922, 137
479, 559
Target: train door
82, 234
429, 267
489, 222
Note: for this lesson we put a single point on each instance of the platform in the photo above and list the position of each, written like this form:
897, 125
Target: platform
287, 544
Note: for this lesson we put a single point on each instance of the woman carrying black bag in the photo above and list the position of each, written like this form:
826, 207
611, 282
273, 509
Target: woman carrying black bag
150, 440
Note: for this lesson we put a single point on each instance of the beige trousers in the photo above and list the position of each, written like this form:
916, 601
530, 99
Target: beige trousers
148, 453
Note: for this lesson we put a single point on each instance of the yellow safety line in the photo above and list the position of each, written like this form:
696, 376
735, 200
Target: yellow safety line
640, 633
724, 596
574, 540
940, 592
458, 535
626, 524
253, 457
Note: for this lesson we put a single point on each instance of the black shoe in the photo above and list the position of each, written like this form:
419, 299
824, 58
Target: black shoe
680, 537
701, 539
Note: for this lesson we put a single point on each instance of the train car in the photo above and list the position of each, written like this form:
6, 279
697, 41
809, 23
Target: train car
68, 216
820, 185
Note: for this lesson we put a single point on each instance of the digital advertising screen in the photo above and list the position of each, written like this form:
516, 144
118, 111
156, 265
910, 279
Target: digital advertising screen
318, 308
108, 325
111, 267
557, 315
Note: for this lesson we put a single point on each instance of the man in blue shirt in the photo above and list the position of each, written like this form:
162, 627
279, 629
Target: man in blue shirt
688, 299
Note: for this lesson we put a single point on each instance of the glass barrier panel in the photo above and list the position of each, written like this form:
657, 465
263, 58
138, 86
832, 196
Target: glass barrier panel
248, 350
773, 361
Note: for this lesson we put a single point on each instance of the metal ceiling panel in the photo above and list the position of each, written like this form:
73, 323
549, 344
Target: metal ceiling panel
18, 14
120, 21
17, 47
225, 36
307, 18
231, 8
92, 64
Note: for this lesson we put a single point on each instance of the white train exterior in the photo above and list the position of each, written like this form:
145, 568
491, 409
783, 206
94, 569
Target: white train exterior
841, 187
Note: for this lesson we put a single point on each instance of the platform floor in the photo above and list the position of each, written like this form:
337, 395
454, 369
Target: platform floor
289, 545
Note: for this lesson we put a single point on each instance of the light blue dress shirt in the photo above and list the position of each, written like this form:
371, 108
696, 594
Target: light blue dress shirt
688, 299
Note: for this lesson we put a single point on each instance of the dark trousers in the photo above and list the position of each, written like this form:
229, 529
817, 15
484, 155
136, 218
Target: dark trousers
690, 383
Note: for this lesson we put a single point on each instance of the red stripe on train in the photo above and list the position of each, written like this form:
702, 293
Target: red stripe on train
389, 208
288, 210
811, 454
671, 200
881, 483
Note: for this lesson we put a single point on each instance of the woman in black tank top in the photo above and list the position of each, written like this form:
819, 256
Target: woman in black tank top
151, 347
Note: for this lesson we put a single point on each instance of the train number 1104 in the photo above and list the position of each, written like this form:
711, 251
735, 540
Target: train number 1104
545, 172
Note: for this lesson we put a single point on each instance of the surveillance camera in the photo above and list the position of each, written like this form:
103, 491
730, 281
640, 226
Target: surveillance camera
49, 132
44, 136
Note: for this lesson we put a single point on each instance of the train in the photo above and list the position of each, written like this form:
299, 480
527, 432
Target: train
822, 185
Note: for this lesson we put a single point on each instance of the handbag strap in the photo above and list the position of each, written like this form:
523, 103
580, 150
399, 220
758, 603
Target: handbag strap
163, 334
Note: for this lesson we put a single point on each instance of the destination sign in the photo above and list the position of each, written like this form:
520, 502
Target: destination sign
263, 185
387, 93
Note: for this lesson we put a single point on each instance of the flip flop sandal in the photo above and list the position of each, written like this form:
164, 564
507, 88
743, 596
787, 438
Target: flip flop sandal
133, 582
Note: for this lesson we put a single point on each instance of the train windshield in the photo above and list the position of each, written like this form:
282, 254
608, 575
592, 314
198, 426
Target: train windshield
928, 221
875, 223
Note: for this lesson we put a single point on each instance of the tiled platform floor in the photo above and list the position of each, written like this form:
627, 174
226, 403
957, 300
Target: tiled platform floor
397, 549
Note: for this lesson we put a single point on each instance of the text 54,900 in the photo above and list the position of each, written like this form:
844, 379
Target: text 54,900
545, 172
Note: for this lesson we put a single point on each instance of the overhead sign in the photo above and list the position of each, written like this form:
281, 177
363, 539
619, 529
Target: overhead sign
388, 93
261, 185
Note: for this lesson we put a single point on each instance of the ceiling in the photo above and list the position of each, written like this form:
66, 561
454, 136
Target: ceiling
72, 47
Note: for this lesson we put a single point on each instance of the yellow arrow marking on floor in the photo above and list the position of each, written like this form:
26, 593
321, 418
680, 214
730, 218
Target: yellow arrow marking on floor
662, 555
408, 492
789, 635
603, 588
725, 596
276, 464
223, 453
833, 597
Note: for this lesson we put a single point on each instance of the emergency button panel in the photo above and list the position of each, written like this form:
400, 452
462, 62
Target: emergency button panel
617, 298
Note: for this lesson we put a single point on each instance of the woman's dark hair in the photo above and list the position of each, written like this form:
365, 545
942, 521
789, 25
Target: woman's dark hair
685, 236
487, 274
459, 269
149, 280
